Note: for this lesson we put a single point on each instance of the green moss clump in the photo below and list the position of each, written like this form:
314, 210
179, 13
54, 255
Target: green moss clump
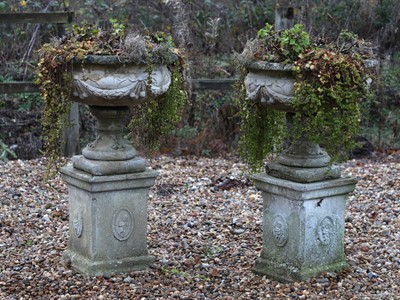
330, 82
328, 91
261, 129
159, 115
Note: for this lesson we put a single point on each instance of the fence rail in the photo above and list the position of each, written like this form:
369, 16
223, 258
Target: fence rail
18, 87
71, 145
213, 84
38, 18
58, 18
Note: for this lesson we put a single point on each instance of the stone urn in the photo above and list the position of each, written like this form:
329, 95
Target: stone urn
304, 195
108, 184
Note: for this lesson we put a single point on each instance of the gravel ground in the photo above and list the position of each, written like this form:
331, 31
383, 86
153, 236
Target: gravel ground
205, 232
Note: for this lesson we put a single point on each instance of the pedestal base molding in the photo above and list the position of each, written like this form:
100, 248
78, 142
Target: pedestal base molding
108, 266
99, 167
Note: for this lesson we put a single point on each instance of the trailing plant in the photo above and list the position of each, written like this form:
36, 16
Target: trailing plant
155, 119
330, 82
56, 60
261, 129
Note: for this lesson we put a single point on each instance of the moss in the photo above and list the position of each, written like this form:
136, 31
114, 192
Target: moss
329, 86
156, 119
261, 128
159, 115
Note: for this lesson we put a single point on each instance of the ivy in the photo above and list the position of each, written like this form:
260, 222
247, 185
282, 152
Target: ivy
155, 119
5, 151
329, 85
158, 116
328, 91
261, 129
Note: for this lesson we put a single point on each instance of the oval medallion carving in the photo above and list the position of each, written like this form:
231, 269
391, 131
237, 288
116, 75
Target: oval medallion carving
325, 231
280, 231
122, 224
77, 223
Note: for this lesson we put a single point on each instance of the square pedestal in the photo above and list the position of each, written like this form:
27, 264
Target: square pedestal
303, 227
108, 221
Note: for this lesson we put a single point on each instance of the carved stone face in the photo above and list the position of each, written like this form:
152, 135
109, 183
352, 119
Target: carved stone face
122, 224
280, 231
77, 223
325, 231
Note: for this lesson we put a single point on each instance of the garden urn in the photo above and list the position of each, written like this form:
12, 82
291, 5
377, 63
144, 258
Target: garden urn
108, 184
304, 195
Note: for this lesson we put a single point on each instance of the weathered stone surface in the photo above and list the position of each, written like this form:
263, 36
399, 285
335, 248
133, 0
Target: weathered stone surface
271, 84
303, 175
303, 162
99, 167
106, 83
303, 153
110, 153
108, 185
303, 227
110, 142
108, 221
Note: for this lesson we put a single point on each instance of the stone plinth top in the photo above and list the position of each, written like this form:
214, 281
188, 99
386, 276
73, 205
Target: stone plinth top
269, 66
109, 60
305, 191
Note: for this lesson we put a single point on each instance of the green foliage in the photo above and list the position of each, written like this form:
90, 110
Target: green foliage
5, 151
28, 101
384, 132
283, 45
329, 85
266, 32
293, 41
381, 123
186, 132
155, 119
158, 116
118, 30
328, 91
261, 128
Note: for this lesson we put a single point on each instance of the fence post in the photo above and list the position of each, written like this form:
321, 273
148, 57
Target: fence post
71, 144
287, 14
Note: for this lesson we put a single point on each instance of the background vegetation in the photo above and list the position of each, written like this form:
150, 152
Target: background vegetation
210, 32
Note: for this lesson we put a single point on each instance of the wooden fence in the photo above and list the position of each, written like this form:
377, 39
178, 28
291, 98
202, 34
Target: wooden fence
71, 134
58, 18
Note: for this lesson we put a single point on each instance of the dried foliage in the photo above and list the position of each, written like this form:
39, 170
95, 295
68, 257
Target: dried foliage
57, 58
330, 82
205, 231
210, 31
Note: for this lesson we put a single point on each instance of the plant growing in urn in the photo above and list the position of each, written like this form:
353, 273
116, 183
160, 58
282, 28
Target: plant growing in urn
108, 184
317, 85
306, 92
155, 91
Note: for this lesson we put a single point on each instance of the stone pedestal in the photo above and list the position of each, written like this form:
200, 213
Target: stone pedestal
303, 230
108, 221
110, 153
108, 184
304, 193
